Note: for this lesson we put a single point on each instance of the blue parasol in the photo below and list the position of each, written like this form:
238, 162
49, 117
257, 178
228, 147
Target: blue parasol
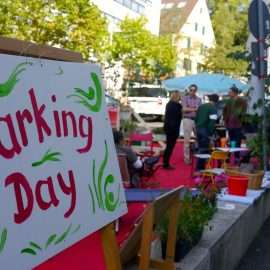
206, 82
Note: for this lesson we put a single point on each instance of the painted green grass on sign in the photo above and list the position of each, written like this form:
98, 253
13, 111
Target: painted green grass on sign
8, 86
85, 97
47, 157
106, 200
53, 239
3, 239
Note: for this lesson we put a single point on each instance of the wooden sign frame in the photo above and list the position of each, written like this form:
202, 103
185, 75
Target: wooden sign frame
29, 49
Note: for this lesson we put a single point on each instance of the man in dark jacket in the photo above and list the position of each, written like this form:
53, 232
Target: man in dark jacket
205, 121
173, 116
233, 114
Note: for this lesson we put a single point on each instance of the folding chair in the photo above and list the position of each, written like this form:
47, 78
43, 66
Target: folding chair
216, 165
146, 150
217, 160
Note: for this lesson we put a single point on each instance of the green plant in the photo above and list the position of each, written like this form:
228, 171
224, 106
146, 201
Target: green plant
258, 143
158, 130
194, 214
128, 126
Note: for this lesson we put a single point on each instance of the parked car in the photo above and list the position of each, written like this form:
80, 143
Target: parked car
148, 100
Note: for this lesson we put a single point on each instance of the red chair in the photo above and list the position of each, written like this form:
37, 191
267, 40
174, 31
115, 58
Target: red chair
146, 147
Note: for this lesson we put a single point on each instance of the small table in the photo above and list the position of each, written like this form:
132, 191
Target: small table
232, 149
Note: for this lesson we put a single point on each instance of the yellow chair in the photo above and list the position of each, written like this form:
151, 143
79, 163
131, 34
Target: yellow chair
216, 164
219, 157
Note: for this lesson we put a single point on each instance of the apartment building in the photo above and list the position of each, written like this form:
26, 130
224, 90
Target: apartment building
117, 10
190, 25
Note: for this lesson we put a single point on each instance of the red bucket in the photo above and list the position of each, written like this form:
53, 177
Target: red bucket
237, 185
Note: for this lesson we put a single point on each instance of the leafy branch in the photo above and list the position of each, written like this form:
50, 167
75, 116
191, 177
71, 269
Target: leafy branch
48, 156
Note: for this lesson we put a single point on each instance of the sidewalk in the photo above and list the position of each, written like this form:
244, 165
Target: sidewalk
258, 255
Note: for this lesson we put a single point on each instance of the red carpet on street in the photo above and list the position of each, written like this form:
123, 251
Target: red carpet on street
88, 253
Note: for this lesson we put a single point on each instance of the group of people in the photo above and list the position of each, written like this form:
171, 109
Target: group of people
200, 119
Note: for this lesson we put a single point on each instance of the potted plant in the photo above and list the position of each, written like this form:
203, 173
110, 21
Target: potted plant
195, 213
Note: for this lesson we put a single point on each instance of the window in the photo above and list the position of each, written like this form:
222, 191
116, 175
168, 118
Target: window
196, 27
199, 67
188, 42
127, 3
133, 5
187, 64
203, 30
147, 92
202, 49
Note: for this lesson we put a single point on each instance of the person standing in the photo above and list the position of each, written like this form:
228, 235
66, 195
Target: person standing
190, 103
206, 118
233, 114
173, 116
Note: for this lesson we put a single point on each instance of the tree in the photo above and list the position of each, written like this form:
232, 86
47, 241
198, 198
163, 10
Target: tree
229, 19
164, 57
72, 24
142, 53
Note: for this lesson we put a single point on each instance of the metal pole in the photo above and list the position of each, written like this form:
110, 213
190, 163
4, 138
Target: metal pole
262, 84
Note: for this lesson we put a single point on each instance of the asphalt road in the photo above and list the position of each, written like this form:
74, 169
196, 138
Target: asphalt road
258, 255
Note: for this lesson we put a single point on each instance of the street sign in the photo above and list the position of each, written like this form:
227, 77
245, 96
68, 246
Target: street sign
254, 19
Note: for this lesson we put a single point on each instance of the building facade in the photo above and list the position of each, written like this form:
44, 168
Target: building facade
117, 10
190, 25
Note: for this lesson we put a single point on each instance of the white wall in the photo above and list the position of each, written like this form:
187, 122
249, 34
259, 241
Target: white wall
199, 15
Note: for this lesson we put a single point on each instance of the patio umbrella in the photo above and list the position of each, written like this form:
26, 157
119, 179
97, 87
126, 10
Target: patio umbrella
206, 82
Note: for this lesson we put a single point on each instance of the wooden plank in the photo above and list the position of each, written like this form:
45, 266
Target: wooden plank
110, 248
162, 265
147, 235
172, 230
25, 48
131, 247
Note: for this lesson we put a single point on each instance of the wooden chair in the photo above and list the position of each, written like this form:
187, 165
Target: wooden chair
122, 159
139, 242
219, 158
216, 165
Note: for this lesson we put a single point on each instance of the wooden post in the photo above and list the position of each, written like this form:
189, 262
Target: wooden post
25, 48
172, 230
110, 248
147, 235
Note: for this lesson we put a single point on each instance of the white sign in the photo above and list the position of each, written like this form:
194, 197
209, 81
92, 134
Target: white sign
59, 175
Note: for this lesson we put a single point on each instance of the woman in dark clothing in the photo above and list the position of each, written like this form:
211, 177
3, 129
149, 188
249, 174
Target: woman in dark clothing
173, 116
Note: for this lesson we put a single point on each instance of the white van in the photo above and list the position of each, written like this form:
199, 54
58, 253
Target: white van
148, 100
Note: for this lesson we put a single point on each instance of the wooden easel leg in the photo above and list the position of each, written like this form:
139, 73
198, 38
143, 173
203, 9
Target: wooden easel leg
110, 248
147, 234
